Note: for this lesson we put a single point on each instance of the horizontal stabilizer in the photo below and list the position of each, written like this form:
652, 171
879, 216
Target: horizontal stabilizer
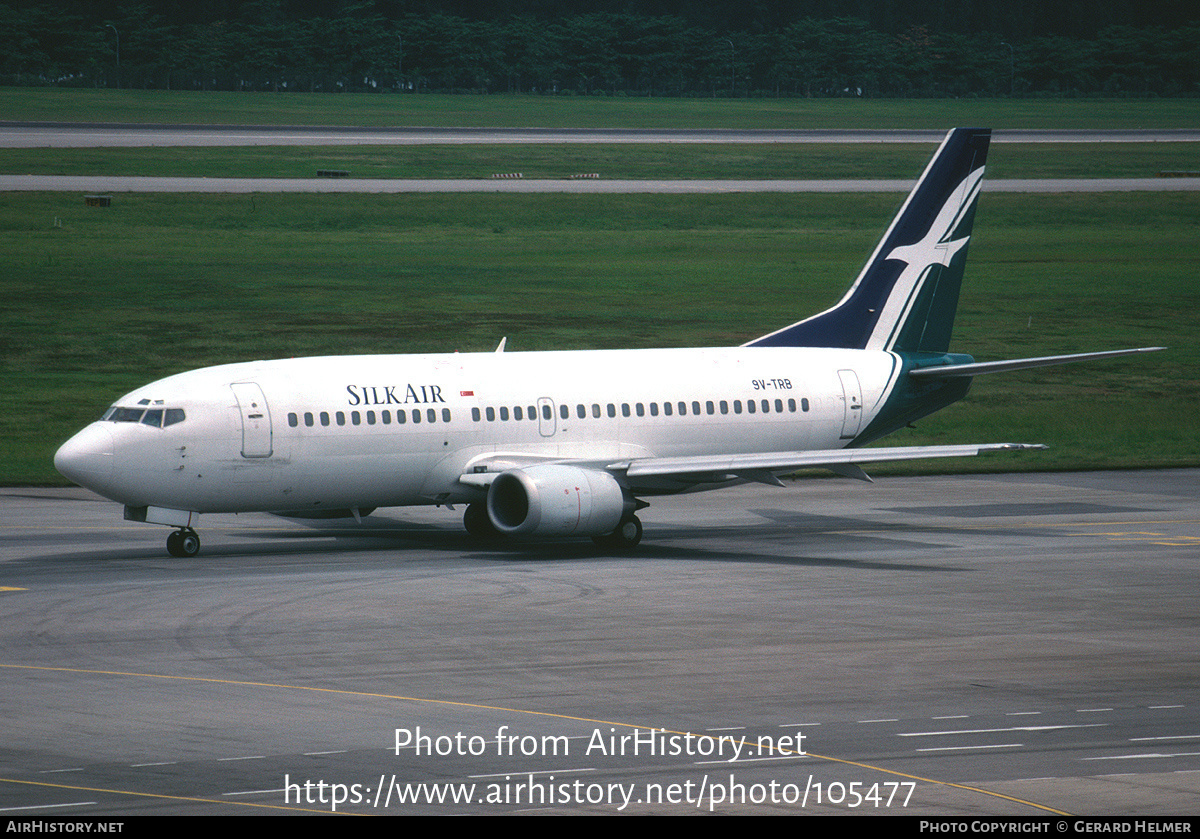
979, 368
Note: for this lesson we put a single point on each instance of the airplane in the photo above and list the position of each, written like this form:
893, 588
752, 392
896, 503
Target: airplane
565, 443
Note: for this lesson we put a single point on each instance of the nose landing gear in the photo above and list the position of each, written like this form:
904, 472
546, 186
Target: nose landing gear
184, 542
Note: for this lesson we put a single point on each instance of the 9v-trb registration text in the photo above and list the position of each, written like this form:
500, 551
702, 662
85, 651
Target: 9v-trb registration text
653, 742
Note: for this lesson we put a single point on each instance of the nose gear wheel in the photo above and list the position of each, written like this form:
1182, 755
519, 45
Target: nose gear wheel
183, 543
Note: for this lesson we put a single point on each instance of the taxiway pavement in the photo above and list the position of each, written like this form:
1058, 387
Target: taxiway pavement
95, 135
977, 645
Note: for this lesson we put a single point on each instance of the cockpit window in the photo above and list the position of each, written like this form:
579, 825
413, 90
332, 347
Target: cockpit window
127, 414
156, 417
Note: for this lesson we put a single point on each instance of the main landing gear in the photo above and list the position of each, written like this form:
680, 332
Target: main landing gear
477, 523
183, 542
624, 538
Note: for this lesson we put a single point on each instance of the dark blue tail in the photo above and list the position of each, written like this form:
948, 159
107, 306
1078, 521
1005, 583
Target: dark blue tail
906, 296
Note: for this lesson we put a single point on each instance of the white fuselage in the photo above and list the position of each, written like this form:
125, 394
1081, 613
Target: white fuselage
329, 433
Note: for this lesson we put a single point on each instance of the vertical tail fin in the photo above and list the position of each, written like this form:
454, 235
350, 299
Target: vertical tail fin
906, 295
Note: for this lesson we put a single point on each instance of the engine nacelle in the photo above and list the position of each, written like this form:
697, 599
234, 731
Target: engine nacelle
555, 500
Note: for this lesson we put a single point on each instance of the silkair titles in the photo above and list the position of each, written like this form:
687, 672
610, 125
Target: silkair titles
392, 395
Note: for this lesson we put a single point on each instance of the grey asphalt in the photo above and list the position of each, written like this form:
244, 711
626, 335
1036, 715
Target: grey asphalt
62, 135
1005, 645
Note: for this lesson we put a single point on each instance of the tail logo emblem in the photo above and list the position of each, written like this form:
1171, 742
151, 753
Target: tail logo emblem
935, 249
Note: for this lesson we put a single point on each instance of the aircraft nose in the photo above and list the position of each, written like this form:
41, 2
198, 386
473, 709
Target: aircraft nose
87, 458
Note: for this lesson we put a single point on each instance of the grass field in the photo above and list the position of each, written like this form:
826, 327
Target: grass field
639, 161
112, 298
176, 107
94, 302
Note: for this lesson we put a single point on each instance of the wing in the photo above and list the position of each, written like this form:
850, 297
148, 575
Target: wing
658, 475
767, 466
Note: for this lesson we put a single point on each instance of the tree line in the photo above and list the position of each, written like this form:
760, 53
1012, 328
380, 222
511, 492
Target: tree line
377, 46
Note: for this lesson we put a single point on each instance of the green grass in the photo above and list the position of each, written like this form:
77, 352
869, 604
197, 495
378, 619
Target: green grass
97, 301
649, 161
175, 107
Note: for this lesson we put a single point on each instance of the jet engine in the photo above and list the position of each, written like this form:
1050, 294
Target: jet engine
556, 500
